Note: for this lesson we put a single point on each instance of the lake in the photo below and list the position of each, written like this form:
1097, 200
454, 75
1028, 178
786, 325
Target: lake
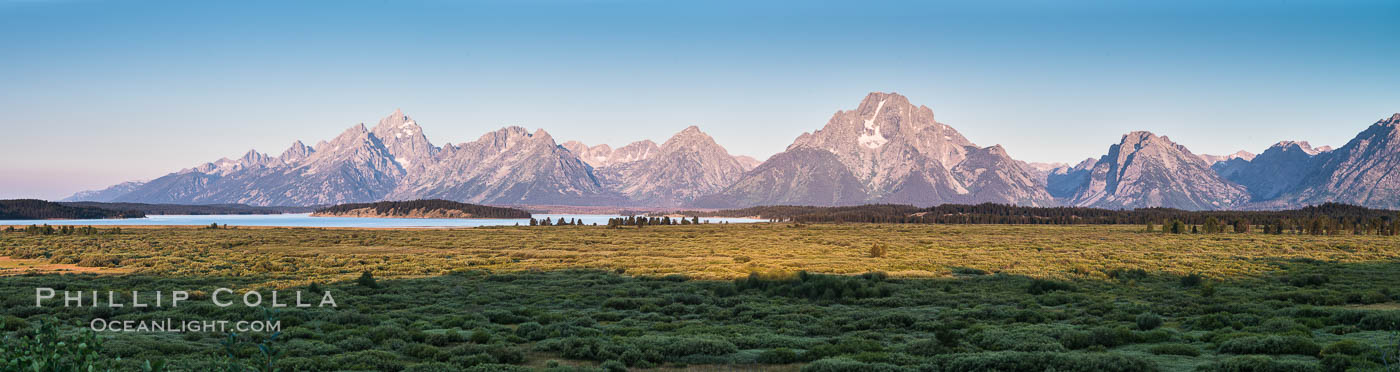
305, 220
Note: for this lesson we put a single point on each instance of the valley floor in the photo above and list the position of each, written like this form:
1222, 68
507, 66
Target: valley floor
741, 296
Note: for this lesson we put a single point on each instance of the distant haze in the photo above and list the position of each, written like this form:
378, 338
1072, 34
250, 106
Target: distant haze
96, 93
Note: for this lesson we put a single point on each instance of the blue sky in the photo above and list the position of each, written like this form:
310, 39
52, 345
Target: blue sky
98, 92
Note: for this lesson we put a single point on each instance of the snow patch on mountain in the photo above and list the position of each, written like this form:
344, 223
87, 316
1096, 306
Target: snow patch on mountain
872, 138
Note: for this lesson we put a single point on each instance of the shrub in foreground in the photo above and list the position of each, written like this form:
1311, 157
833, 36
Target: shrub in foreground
1009, 361
1274, 345
848, 365
1258, 364
1174, 349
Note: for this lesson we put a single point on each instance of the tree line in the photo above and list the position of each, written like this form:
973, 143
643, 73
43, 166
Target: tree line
619, 222
428, 205
34, 209
639, 221
1318, 225
1324, 219
201, 209
62, 230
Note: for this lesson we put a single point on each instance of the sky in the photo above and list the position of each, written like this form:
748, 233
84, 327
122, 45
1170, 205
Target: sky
98, 92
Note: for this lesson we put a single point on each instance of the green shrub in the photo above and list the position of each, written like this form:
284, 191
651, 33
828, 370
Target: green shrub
678, 346
366, 280
11, 323
471, 360
1274, 345
1148, 321
431, 367
779, 356
1111, 337
354, 344
846, 346
1003, 340
1174, 349
1257, 364
926, 348
378, 360
614, 366
1192, 280
1346, 347
1039, 286
1380, 321
1307, 280
497, 367
480, 336
848, 365
1011, 361
438, 339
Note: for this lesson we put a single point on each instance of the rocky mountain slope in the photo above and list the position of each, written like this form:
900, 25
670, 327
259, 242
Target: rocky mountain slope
1213, 159
393, 160
510, 166
1365, 171
885, 151
1272, 173
1145, 170
688, 165
105, 195
1063, 182
603, 155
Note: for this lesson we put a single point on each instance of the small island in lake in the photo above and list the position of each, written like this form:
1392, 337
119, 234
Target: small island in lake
419, 209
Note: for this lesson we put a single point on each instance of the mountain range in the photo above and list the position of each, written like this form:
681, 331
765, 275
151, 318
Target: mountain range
885, 150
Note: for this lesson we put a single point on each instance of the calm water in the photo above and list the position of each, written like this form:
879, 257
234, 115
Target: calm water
305, 220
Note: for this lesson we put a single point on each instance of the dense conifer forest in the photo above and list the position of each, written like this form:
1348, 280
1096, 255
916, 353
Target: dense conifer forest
1330, 218
191, 209
34, 209
403, 208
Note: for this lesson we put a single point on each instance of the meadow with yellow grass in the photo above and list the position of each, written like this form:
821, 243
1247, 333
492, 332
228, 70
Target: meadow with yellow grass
768, 296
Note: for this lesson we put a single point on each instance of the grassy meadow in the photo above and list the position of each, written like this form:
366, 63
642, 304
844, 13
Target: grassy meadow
787, 297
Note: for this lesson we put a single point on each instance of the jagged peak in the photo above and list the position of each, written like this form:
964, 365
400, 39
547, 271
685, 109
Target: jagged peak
1393, 121
891, 98
689, 135
355, 132
510, 130
642, 143
357, 129
516, 133
1303, 146
1086, 163
540, 133
297, 149
1139, 136
253, 155
396, 119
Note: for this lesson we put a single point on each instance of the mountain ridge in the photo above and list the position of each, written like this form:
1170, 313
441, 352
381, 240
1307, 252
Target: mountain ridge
885, 150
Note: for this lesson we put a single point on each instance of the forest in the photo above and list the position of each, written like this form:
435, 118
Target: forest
404, 208
33, 209
991, 213
203, 209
